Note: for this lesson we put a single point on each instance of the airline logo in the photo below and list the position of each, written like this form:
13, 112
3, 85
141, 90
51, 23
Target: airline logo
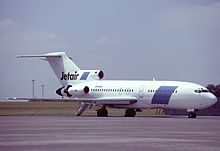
73, 76
69, 76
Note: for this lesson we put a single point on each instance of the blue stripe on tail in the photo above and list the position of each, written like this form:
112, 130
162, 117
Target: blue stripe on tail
84, 76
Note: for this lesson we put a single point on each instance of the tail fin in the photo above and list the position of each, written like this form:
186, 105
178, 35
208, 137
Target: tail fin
64, 68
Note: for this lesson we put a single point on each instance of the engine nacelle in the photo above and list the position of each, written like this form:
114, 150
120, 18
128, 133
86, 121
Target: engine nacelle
70, 90
91, 75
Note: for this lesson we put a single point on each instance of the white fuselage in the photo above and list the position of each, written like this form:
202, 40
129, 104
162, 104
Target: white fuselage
150, 94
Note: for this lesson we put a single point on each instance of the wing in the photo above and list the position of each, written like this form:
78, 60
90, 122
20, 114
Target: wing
85, 101
101, 101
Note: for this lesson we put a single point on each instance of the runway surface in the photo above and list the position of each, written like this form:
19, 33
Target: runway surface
109, 133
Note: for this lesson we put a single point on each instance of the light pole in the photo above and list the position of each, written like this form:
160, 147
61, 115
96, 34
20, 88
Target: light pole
42, 90
33, 88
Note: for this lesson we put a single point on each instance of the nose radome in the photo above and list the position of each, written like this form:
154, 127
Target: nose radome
212, 99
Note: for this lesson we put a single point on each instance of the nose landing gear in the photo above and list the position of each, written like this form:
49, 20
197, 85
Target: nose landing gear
192, 113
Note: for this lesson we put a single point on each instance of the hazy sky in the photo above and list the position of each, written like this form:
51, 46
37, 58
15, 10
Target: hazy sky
127, 39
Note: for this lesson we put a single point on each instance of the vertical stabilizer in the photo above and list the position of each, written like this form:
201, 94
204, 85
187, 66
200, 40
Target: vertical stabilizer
65, 69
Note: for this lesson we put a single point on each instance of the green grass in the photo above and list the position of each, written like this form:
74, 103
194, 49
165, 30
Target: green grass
57, 109
36, 105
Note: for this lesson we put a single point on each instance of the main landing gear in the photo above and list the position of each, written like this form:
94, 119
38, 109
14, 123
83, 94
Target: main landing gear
103, 112
192, 113
130, 113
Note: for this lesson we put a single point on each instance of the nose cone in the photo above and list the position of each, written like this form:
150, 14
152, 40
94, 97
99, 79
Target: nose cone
211, 99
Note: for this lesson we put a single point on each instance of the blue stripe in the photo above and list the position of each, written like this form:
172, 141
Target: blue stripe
163, 94
84, 76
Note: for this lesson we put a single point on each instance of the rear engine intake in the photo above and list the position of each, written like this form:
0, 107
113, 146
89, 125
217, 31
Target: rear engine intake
70, 90
86, 89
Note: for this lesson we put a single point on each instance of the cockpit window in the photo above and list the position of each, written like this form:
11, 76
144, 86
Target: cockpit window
204, 90
197, 91
201, 90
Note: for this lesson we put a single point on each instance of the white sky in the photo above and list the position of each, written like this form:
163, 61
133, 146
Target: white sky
127, 39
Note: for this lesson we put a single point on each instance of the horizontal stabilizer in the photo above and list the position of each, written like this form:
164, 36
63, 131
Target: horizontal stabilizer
55, 54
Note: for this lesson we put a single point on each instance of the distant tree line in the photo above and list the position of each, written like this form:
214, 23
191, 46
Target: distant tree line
214, 89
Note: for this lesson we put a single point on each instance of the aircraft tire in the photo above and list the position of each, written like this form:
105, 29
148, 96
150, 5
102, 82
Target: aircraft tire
192, 115
102, 112
130, 113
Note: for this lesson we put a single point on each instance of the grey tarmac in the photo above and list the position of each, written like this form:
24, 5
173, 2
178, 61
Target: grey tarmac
55, 133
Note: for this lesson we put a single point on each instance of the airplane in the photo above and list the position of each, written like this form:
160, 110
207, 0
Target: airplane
89, 88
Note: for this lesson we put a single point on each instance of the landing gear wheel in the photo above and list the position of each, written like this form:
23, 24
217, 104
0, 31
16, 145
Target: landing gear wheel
192, 115
130, 113
103, 112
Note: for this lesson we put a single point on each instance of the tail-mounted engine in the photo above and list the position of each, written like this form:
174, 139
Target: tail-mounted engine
101, 74
70, 90
91, 75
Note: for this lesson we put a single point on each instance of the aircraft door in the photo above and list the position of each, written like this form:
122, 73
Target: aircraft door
141, 91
